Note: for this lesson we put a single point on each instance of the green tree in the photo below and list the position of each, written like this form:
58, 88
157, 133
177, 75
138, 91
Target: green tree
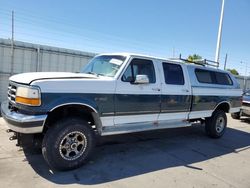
233, 71
194, 57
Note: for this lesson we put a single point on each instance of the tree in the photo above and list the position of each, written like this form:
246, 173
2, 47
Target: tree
233, 71
194, 57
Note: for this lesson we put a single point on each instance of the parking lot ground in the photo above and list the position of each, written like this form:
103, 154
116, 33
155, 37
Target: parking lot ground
183, 157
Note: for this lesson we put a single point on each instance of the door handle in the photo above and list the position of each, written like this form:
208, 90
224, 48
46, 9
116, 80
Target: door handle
156, 89
185, 90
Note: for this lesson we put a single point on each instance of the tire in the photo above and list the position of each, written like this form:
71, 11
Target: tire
215, 126
68, 144
235, 115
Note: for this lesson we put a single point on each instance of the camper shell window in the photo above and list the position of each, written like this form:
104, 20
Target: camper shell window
213, 77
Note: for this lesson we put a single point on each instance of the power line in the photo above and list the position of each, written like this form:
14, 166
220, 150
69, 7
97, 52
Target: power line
33, 26
31, 17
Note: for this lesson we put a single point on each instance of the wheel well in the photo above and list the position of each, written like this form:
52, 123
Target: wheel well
223, 106
75, 110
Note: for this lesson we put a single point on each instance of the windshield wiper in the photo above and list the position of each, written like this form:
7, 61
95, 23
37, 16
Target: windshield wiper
93, 73
100, 74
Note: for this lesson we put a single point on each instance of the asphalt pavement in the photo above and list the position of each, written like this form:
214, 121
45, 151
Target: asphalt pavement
183, 157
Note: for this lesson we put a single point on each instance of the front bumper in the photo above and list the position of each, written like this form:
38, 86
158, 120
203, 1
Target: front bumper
22, 123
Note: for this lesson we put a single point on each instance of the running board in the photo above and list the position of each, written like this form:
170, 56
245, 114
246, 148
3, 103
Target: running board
139, 127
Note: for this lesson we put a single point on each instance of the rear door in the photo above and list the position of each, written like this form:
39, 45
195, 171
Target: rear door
138, 103
176, 92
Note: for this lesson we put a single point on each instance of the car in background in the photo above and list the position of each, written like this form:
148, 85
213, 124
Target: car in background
245, 109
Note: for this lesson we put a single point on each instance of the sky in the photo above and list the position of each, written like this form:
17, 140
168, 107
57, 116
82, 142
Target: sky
164, 28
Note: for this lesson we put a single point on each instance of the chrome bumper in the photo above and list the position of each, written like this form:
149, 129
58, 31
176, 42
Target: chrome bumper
22, 123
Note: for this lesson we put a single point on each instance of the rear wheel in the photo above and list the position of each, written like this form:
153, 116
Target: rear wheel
68, 144
215, 125
235, 115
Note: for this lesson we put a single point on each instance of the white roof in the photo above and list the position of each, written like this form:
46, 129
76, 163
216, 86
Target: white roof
138, 55
127, 54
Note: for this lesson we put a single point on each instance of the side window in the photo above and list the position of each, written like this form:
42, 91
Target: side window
223, 78
139, 67
204, 76
173, 74
213, 77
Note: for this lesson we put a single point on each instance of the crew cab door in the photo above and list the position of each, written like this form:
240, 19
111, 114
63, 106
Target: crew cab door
176, 92
137, 103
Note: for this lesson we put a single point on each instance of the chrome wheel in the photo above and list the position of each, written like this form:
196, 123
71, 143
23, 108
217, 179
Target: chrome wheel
220, 124
73, 145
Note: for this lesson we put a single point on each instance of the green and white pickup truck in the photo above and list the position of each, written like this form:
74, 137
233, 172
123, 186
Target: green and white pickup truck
115, 94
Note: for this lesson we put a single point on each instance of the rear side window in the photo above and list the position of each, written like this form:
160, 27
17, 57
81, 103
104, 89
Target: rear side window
223, 78
212, 77
204, 76
173, 74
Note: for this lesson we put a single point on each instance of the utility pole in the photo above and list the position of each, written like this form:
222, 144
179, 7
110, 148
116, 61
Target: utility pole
245, 68
217, 54
12, 24
245, 76
12, 42
225, 63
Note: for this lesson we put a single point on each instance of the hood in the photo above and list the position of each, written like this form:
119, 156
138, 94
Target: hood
27, 78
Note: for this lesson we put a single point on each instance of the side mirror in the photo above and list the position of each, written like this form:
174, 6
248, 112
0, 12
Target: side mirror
141, 79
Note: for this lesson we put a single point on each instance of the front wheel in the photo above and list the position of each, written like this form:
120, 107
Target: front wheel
215, 125
68, 144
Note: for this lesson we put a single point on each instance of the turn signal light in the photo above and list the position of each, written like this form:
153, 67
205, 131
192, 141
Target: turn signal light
28, 101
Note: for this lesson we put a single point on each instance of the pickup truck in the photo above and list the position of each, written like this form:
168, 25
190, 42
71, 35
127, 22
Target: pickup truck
114, 94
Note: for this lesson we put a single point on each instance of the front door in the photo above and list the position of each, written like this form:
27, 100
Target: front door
136, 103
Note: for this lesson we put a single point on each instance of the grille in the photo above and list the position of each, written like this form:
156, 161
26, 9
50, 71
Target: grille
12, 93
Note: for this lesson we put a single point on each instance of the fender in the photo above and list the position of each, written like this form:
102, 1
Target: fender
222, 103
51, 102
94, 113
74, 103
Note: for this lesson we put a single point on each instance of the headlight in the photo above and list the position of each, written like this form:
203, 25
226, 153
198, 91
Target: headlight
28, 96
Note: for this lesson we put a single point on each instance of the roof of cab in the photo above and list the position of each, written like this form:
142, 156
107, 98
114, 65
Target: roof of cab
173, 60
142, 55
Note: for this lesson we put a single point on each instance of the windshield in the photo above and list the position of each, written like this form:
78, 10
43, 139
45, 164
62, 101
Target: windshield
105, 65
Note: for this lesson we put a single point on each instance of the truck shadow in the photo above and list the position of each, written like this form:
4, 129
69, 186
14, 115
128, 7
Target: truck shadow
124, 156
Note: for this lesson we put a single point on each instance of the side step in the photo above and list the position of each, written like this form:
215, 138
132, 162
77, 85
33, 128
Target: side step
142, 126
